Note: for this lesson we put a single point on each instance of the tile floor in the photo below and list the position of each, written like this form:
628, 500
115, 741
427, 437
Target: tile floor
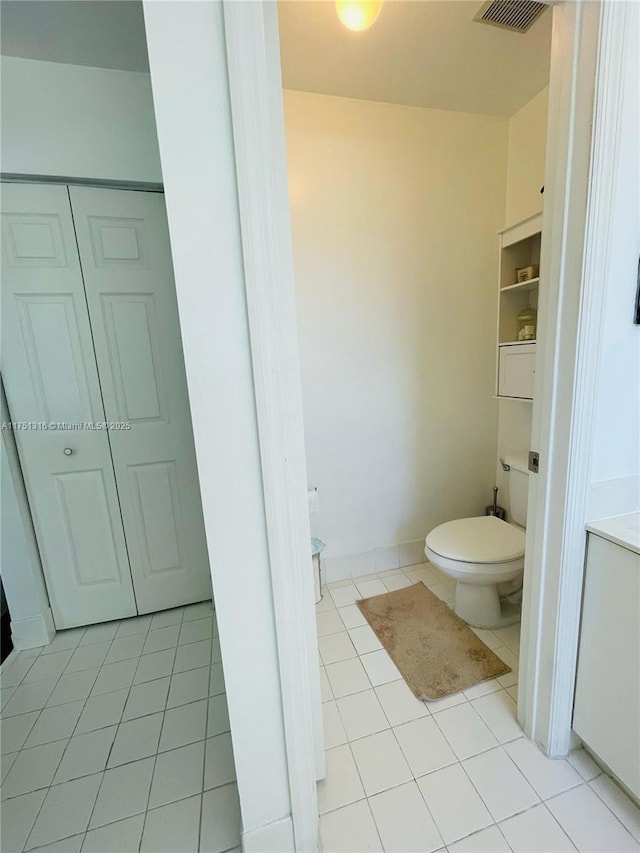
456, 774
115, 738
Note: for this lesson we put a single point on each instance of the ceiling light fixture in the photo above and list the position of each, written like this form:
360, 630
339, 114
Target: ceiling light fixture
358, 15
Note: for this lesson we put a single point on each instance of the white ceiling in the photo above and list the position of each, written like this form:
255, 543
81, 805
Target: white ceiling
427, 53
102, 33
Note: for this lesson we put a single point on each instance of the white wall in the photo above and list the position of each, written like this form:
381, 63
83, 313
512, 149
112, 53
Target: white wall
615, 465
525, 169
395, 212
77, 122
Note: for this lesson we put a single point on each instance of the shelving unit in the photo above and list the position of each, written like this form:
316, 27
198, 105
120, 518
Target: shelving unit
519, 246
530, 284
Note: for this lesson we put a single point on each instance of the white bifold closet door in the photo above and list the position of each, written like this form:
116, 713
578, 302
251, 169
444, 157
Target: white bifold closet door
125, 257
91, 335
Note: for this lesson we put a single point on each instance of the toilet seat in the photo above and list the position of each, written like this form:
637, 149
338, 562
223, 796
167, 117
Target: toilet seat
480, 554
484, 540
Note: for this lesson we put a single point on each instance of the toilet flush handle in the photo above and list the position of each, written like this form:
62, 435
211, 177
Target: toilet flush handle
505, 467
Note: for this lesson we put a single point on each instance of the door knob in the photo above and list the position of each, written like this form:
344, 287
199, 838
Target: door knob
67, 451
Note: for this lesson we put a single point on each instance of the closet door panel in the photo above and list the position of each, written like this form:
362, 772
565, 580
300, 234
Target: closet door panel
126, 260
52, 386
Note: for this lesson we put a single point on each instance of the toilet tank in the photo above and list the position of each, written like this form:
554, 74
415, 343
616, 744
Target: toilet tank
518, 485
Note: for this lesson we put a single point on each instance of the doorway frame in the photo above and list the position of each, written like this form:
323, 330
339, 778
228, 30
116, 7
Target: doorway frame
585, 38
585, 106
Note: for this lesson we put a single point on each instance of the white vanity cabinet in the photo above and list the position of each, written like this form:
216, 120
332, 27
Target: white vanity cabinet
607, 698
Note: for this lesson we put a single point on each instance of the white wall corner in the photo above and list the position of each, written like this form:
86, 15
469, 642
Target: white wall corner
349, 566
271, 838
410, 553
34, 631
385, 558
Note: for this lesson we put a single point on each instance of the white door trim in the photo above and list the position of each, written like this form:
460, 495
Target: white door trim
251, 474
579, 193
251, 34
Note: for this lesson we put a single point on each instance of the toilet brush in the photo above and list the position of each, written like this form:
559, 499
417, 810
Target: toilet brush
494, 509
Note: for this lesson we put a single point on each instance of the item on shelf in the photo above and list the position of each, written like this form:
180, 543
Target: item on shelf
527, 324
527, 273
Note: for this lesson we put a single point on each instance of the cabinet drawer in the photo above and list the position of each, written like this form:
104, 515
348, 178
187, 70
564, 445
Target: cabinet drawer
516, 370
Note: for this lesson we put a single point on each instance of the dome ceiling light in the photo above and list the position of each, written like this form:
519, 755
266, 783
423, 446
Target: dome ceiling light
358, 15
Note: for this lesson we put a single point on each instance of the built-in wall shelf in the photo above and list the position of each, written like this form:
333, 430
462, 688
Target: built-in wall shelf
529, 284
519, 247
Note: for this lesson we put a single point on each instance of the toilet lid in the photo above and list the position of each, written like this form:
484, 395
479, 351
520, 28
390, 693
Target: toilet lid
486, 539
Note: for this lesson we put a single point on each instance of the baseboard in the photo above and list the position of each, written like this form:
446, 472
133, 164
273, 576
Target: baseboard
33, 632
276, 837
609, 498
384, 558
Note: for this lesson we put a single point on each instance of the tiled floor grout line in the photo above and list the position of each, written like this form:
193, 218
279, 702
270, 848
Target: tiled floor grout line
365, 798
105, 662
415, 780
500, 744
147, 807
434, 717
117, 725
109, 725
511, 647
204, 768
137, 814
25, 845
604, 803
164, 717
402, 752
89, 697
42, 710
139, 657
556, 821
153, 773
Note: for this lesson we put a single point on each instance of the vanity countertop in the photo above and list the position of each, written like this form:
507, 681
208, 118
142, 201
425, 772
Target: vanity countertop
621, 529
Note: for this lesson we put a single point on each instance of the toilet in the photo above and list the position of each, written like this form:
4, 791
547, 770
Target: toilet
485, 555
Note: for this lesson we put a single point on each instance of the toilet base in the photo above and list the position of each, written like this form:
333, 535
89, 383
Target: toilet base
480, 606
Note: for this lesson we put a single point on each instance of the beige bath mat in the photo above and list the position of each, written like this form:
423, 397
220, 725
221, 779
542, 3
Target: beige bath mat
436, 652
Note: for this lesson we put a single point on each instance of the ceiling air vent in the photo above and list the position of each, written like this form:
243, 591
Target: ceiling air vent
517, 15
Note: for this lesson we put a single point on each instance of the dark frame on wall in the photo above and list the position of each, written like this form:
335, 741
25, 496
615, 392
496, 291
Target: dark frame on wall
636, 316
